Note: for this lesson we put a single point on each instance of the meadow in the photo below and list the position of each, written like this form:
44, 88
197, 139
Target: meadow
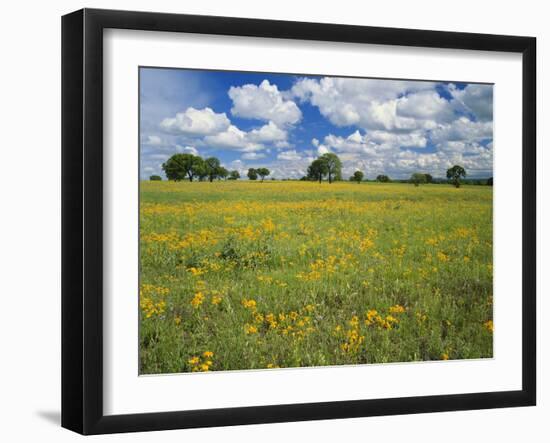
246, 275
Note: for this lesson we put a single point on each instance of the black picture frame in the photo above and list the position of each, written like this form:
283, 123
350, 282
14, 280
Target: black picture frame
82, 218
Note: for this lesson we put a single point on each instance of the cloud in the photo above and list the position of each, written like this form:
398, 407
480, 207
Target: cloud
153, 140
254, 140
187, 149
282, 144
396, 154
425, 105
289, 155
268, 133
196, 122
252, 156
478, 99
462, 129
263, 102
322, 149
233, 138
366, 103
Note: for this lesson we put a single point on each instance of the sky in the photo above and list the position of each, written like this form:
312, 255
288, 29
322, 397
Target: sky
285, 121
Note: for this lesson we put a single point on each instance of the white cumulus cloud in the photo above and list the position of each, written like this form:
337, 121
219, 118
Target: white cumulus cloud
289, 155
263, 102
198, 122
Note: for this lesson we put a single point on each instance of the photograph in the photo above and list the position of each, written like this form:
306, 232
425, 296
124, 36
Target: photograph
293, 220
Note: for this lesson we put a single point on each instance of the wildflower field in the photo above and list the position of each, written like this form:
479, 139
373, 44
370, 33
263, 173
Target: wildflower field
247, 275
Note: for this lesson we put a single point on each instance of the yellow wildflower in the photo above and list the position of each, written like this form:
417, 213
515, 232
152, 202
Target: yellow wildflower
397, 309
197, 299
249, 304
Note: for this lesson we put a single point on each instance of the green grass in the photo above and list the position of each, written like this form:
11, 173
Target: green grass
288, 274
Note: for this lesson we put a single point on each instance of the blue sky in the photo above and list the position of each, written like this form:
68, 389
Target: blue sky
284, 121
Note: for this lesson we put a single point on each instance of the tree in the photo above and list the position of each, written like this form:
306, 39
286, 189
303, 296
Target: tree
252, 174
180, 166
213, 168
333, 165
222, 173
201, 169
455, 173
357, 176
234, 175
490, 181
383, 178
154, 178
418, 178
263, 172
317, 170
429, 178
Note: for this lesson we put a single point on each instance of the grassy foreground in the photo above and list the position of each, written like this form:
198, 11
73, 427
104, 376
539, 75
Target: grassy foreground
243, 275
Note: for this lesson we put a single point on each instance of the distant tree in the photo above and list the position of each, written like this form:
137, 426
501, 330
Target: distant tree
333, 165
455, 173
222, 173
317, 170
252, 174
357, 176
155, 178
213, 168
417, 178
181, 166
263, 172
382, 178
303, 178
429, 178
234, 175
490, 181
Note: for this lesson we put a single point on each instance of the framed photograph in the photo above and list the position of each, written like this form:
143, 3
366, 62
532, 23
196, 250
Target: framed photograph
269, 221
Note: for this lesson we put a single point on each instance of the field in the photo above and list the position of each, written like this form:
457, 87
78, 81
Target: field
249, 275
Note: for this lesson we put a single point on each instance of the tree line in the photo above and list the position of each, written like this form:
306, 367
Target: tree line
188, 166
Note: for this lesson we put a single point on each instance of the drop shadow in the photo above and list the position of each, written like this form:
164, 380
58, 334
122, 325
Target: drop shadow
53, 417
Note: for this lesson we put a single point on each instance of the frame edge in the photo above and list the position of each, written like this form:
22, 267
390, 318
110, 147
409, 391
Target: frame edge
72, 222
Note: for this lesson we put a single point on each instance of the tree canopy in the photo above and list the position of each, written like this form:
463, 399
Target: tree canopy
263, 172
234, 175
252, 174
418, 178
317, 170
334, 166
188, 166
455, 173
213, 168
327, 165
181, 166
357, 176
383, 178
